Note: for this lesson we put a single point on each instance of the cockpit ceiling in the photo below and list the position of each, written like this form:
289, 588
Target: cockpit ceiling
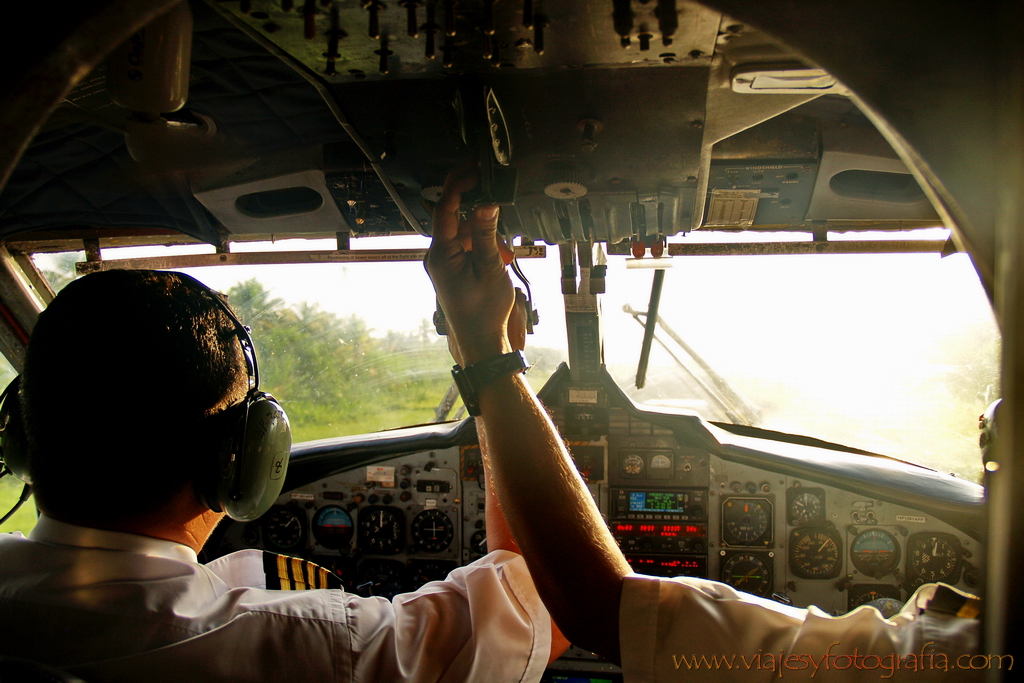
593, 121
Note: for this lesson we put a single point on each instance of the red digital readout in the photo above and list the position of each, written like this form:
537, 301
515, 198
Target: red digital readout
668, 564
664, 530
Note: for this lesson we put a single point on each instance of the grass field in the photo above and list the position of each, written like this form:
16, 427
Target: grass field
25, 518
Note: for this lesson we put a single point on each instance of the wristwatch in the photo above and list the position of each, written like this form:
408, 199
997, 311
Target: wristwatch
472, 379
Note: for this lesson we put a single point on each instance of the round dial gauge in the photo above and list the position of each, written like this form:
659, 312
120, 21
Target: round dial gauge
433, 531
425, 571
933, 557
332, 527
862, 594
478, 542
633, 464
380, 578
747, 521
814, 553
381, 530
284, 528
748, 572
806, 507
875, 552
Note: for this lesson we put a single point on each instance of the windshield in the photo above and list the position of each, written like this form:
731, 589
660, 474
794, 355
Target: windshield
348, 348
896, 354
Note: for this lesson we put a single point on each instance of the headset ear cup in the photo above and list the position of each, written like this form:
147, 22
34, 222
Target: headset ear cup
257, 473
13, 442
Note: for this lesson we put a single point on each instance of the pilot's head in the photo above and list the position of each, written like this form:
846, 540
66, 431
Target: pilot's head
125, 375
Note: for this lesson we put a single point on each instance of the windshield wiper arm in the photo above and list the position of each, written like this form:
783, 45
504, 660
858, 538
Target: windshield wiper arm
652, 322
736, 406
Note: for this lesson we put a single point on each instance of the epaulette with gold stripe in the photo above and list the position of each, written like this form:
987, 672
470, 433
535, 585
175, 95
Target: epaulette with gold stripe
949, 600
296, 574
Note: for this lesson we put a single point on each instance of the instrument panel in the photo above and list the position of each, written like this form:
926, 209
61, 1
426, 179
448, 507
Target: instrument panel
681, 498
384, 528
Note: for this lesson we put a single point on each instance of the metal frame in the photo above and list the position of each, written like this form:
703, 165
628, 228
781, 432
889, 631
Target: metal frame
274, 258
796, 248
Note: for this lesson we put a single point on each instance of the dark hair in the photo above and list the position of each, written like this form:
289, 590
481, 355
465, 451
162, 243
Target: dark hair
122, 372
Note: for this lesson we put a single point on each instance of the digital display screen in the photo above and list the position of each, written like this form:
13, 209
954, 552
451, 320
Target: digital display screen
668, 566
657, 501
680, 564
663, 530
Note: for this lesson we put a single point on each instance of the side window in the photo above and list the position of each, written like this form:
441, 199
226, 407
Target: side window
59, 269
10, 486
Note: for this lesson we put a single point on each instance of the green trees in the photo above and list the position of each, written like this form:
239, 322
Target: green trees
333, 375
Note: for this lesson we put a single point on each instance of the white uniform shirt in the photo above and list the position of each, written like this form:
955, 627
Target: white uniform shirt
119, 607
688, 629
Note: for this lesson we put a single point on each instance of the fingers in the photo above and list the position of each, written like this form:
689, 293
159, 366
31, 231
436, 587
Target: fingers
484, 222
507, 253
517, 322
446, 211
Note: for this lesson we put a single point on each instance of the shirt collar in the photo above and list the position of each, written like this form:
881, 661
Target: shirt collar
54, 532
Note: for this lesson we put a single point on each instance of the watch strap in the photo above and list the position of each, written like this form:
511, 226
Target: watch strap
470, 380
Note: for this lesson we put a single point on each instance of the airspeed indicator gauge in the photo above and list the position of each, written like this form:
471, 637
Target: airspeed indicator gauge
814, 553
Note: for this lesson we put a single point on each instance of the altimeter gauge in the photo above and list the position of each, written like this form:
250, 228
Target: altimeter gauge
933, 557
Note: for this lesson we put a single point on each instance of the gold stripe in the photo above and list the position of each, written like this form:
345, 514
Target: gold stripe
297, 576
282, 572
969, 610
323, 577
310, 575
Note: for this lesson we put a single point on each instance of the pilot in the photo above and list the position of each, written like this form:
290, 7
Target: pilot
679, 629
136, 386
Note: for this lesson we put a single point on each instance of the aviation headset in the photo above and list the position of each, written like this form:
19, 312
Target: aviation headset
248, 473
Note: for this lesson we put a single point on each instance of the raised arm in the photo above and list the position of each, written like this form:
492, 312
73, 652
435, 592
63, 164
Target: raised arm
574, 560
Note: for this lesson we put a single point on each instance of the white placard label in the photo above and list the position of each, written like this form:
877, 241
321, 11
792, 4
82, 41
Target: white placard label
583, 396
302, 496
385, 476
430, 504
911, 518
